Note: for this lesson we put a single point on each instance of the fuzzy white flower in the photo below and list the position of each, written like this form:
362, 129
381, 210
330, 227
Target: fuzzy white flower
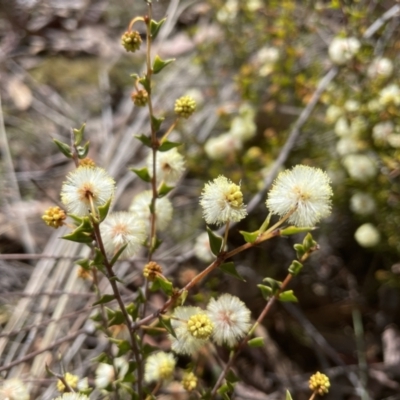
342, 127
228, 12
243, 128
358, 126
105, 373
231, 319
342, 50
382, 130
222, 146
333, 113
351, 105
170, 165
85, 185
390, 95
347, 146
120, 229
222, 201
304, 189
202, 248
141, 203
360, 167
185, 342
267, 58
159, 366
362, 203
394, 140
13, 389
380, 67
72, 396
367, 235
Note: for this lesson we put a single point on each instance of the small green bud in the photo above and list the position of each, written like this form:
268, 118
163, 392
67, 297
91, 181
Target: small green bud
185, 106
140, 98
131, 41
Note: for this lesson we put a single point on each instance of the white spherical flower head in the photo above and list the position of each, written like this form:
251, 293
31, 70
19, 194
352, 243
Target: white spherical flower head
105, 373
243, 128
360, 167
170, 165
347, 146
231, 319
141, 206
390, 95
202, 248
342, 50
13, 389
222, 146
303, 190
85, 186
381, 131
380, 68
72, 396
120, 229
367, 235
362, 203
185, 341
222, 202
159, 367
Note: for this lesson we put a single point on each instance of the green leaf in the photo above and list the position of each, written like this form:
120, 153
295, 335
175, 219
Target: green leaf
231, 377
145, 140
78, 134
102, 358
98, 257
83, 150
142, 173
256, 342
292, 230
164, 285
295, 267
132, 310
145, 83
250, 237
229, 268
159, 64
84, 263
64, 148
164, 190
106, 298
309, 242
79, 235
288, 395
215, 242
288, 296
273, 283
224, 389
155, 27
103, 210
156, 122
117, 319
299, 250
118, 254
166, 324
266, 291
167, 145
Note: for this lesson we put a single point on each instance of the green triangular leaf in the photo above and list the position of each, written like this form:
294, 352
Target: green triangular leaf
256, 342
64, 148
118, 254
166, 323
250, 237
156, 122
145, 83
104, 299
78, 134
161, 283
288, 395
83, 150
159, 64
103, 210
295, 267
292, 230
229, 268
142, 173
288, 296
164, 190
215, 242
275, 285
155, 27
167, 145
144, 139
266, 291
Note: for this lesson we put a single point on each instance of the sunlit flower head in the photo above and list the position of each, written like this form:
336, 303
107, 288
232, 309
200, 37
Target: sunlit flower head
243, 128
189, 381
360, 167
222, 202
333, 113
347, 145
185, 342
381, 131
71, 379
231, 319
141, 206
342, 50
170, 165
367, 235
319, 383
85, 185
120, 229
105, 373
159, 366
304, 189
13, 389
202, 248
380, 67
390, 95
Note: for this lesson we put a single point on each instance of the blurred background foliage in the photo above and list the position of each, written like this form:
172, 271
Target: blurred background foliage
61, 64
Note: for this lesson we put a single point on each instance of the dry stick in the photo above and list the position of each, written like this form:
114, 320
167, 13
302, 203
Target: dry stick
35, 353
35, 257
